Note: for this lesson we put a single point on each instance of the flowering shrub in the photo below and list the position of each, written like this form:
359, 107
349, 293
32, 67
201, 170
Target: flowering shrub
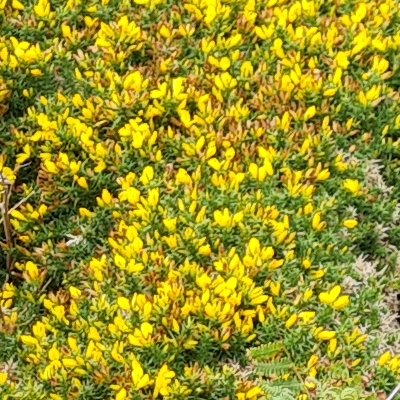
183, 182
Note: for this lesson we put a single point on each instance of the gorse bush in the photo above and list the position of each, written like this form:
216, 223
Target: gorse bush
199, 199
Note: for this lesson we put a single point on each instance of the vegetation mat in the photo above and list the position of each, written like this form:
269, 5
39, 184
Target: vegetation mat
199, 199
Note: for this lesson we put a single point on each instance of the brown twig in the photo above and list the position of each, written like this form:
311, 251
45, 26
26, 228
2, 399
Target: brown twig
5, 211
6, 220
7, 188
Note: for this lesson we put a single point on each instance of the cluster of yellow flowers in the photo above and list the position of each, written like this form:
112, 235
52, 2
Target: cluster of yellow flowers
188, 182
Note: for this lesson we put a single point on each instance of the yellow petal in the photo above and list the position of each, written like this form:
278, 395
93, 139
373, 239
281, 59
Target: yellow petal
54, 354
291, 321
384, 358
3, 378
335, 292
326, 335
350, 223
310, 112
341, 303
121, 395
29, 340
124, 303
146, 329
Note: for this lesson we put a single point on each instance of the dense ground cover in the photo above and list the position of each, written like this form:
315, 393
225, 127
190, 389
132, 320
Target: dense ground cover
199, 199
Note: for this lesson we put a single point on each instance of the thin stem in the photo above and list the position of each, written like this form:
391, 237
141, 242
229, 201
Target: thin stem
21, 202
16, 206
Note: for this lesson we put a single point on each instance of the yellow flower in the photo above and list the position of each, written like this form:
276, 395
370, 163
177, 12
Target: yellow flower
154, 196
32, 271
246, 69
380, 65
360, 13
121, 394
123, 303
313, 361
17, 5
275, 264
302, 397
54, 354
224, 63
350, 223
254, 247
3, 378
82, 182
291, 321
139, 378
310, 383
93, 334
205, 250
316, 223
170, 223
331, 296
120, 261
341, 303
330, 92
353, 186
223, 219
310, 113
260, 299
307, 316
326, 335
39, 330
84, 212
355, 363
42, 8
50, 167
106, 197
165, 32
134, 81
323, 175
260, 173
29, 340
384, 358
214, 163
36, 72
341, 59
162, 382
254, 393
225, 81
264, 32
275, 288
18, 215
182, 177
332, 346
370, 97
147, 175
69, 363
132, 195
